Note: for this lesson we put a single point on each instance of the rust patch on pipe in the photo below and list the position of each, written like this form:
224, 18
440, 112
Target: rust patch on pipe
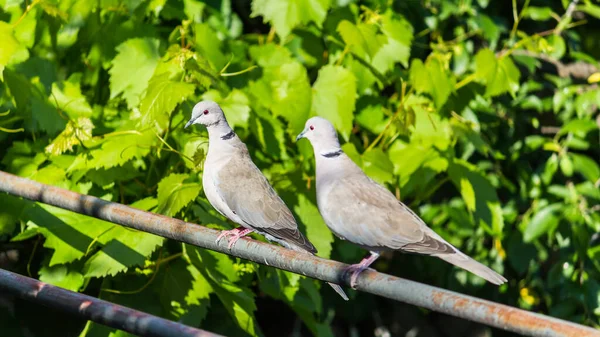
503, 316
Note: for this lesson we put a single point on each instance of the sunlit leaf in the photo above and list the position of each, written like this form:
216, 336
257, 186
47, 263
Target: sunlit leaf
285, 15
500, 75
174, 194
132, 68
334, 96
542, 222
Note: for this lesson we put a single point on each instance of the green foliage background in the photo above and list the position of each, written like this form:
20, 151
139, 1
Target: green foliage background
482, 116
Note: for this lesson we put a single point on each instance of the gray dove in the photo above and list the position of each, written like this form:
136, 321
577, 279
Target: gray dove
238, 190
359, 210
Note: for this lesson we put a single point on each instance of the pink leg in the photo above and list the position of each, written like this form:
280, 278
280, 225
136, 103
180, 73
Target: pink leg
358, 268
235, 234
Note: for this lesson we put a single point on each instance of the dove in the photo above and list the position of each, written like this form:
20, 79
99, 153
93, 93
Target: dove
359, 210
239, 191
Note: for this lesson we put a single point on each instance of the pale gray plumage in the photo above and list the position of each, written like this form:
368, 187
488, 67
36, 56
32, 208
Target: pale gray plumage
238, 190
359, 210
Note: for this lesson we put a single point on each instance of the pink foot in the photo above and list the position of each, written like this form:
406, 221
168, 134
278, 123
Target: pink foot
235, 234
358, 268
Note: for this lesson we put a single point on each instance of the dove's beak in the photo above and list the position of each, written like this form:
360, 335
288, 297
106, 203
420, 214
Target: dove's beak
301, 135
190, 122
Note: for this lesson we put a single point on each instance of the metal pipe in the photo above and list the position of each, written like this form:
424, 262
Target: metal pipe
97, 310
433, 298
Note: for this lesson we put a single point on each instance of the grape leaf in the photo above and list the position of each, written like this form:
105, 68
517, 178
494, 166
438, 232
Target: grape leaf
162, 97
378, 166
174, 194
66, 96
316, 229
499, 75
362, 38
68, 234
235, 106
132, 68
286, 15
123, 248
74, 134
432, 78
61, 275
9, 45
115, 149
286, 91
334, 97
397, 49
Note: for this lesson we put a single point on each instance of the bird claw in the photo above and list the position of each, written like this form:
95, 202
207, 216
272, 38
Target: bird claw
355, 271
235, 234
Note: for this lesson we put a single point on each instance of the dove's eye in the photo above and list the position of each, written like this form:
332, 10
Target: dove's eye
205, 112
311, 127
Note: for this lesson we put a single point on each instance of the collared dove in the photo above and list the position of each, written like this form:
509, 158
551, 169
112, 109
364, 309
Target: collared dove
238, 190
359, 210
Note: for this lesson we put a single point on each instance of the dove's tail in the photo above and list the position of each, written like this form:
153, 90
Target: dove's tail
461, 260
339, 290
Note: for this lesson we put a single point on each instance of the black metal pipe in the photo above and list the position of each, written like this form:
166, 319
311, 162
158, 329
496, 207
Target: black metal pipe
97, 310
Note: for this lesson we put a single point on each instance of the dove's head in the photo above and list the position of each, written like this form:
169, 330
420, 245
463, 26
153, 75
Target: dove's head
207, 113
321, 134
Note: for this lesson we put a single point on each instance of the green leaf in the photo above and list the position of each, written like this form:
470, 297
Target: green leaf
566, 165
362, 38
67, 233
75, 133
235, 106
334, 96
115, 149
32, 103
286, 15
162, 97
542, 222
61, 276
284, 88
500, 75
316, 229
579, 127
9, 45
586, 166
399, 35
378, 166
132, 68
66, 96
238, 301
479, 195
432, 78
538, 13
174, 194
208, 41
9, 213
270, 55
122, 248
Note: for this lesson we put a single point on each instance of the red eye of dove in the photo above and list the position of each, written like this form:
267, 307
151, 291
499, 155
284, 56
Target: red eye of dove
205, 112
311, 127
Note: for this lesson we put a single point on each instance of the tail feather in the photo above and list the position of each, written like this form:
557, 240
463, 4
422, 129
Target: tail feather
461, 260
339, 290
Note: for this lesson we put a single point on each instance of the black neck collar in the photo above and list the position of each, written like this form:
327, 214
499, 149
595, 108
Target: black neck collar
228, 135
332, 154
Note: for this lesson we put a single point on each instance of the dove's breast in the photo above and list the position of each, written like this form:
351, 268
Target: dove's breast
210, 182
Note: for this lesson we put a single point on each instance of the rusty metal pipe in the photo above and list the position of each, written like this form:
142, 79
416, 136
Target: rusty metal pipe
100, 311
433, 298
